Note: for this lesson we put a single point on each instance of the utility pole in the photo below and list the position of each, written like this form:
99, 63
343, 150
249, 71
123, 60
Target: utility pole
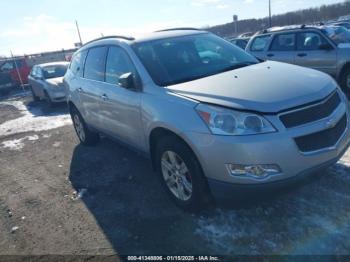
270, 19
76, 23
17, 70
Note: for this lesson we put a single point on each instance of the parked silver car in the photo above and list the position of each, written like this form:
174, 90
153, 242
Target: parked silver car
46, 82
212, 118
325, 48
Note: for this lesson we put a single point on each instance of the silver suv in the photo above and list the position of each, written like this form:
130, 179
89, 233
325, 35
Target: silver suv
325, 48
212, 118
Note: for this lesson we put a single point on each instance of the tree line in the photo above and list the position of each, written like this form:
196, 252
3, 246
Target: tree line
305, 16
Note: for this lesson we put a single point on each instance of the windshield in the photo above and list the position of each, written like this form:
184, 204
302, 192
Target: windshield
54, 71
338, 34
180, 59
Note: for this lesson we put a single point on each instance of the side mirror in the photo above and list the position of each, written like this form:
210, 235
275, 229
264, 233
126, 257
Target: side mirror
128, 81
325, 47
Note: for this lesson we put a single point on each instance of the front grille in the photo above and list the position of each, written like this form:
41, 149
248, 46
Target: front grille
323, 139
311, 113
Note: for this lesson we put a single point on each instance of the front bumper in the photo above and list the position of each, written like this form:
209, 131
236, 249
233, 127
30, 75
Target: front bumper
215, 152
57, 95
228, 191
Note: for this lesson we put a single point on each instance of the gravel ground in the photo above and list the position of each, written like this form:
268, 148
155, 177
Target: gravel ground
58, 197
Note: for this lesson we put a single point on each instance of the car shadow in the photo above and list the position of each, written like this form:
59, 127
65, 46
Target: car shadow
124, 195
41, 108
127, 200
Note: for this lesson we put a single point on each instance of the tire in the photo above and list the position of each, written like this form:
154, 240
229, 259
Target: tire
193, 179
48, 100
35, 97
86, 136
345, 81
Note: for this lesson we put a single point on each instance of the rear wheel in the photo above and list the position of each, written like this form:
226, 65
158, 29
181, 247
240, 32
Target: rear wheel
345, 81
86, 136
181, 174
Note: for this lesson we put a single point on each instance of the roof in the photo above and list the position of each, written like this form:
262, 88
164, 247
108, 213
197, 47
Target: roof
290, 28
167, 33
53, 64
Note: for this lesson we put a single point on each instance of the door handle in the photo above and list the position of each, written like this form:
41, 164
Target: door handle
104, 97
270, 55
302, 54
80, 90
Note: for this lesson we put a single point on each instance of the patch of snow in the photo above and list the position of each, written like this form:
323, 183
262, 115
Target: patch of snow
46, 135
79, 194
18, 144
33, 120
14, 229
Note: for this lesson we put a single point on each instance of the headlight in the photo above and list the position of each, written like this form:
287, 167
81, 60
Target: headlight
222, 121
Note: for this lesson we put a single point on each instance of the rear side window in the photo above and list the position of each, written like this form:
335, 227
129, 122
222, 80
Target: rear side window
118, 63
95, 63
283, 42
260, 43
77, 65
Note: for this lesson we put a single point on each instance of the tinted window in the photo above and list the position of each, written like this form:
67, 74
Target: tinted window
284, 42
77, 65
118, 63
32, 73
54, 71
7, 66
182, 59
95, 63
260, 43
310, 41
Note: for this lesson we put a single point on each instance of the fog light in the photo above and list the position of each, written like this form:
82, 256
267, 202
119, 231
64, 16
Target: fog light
256, 171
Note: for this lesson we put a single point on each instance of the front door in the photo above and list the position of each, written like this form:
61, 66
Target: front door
119, 107
312, 52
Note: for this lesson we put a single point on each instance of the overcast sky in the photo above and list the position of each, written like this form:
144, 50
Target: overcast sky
47, 25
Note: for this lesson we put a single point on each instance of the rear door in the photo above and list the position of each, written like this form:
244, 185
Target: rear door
283, 48
312, 52
120, 107
92, 83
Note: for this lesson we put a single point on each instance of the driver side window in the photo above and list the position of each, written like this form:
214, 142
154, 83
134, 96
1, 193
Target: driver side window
118, 63
310, 41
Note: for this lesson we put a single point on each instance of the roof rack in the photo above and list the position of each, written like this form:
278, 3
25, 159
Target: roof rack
178, 28
111, 36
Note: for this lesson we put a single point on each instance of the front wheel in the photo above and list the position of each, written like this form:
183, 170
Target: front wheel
181, 174
86, 136
35, 97
48, 100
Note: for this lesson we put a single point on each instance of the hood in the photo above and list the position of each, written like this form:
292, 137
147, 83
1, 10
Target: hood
267, 87
58, 81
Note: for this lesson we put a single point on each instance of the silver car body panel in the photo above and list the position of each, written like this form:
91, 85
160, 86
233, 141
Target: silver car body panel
328, 61
266, 88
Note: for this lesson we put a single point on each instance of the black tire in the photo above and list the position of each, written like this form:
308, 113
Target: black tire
35, 97
200, 197
345, 86
48, 100
90, 138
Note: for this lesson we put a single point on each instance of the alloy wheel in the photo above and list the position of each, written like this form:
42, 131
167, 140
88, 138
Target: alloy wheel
79, 127
176, 175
